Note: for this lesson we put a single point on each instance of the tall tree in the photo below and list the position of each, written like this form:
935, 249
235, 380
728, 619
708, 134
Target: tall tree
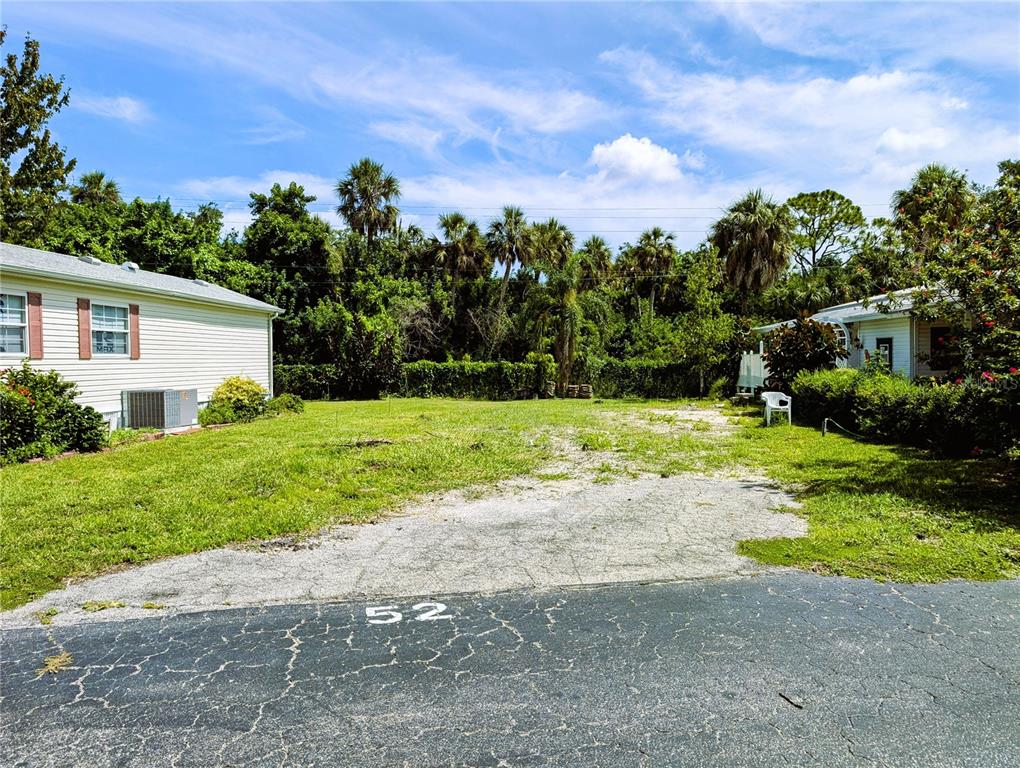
33, 168
654, 254
462, 248
827, 228
94, 188
754, 239
704, 329
368, 197
937, 199
596, 260
551, 244
507, 238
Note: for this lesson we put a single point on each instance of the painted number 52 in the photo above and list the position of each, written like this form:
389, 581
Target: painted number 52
388, 614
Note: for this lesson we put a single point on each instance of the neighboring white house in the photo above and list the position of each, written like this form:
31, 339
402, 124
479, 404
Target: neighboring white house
111, 328
881, 325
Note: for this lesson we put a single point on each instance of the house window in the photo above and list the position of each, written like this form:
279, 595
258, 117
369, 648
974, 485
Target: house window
109, 330
13, 324
883, 348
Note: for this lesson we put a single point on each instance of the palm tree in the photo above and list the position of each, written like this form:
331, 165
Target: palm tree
654, 255
95, 189
550, 244
367, 199
462, 249
595, 259
938, 199
507, 239
754, 238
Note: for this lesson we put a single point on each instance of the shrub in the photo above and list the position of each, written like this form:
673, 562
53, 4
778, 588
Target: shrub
39, 416
245, 397
545, 370
640, 378
285, 403
806, 345
311, 382
821, 394
969, 417
217, 413
487, 381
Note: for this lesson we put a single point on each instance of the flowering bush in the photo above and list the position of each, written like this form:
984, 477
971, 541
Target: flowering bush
975, 416
39, 416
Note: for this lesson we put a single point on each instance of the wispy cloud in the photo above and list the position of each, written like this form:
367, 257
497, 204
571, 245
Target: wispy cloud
274, 128
411, 133
874, 126
396, 82
915, 35
123, 108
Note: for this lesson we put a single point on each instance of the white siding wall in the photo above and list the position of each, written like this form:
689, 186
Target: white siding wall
898, 328
183, 344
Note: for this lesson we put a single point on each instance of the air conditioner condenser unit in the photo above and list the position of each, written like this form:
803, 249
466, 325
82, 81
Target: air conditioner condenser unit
160, 408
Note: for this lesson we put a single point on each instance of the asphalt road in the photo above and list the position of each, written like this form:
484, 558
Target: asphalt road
789, 669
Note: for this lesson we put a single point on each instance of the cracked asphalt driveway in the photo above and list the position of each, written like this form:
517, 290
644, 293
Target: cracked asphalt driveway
786, 668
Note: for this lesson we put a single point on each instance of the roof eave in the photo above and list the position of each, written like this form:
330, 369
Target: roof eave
267, 309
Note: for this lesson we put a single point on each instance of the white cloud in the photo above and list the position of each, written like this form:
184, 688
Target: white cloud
864, 131
410, 133
908, 34
628, 158
439, 93
124, 108
275, 127
396, 82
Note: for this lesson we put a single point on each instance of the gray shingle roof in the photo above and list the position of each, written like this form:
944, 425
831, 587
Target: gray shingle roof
29, 261
875, 308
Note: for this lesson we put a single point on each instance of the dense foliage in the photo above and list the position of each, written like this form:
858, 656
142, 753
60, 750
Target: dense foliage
488, 381
40, 418
803, 345
972, 417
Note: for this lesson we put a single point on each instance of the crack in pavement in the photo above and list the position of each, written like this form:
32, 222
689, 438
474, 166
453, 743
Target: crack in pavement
788, 668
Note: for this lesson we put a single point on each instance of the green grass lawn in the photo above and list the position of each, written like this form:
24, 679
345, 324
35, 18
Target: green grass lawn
872, 510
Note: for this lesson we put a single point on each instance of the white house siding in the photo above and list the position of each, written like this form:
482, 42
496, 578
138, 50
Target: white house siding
182, 344
897, 328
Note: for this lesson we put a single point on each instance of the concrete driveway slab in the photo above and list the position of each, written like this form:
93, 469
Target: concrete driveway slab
526, 534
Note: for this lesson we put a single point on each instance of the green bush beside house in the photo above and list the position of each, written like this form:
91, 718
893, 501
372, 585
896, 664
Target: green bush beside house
968, 417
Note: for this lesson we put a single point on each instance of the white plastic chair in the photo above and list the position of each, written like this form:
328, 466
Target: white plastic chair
777, 402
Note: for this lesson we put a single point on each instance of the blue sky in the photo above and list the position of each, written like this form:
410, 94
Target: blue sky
611, 117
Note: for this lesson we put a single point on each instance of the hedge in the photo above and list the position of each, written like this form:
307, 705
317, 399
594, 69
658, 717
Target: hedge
972, 417
504, 381
640, 378
485, 381
489, 381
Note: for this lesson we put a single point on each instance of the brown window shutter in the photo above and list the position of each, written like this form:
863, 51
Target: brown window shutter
136, 347
35, 330
84, 329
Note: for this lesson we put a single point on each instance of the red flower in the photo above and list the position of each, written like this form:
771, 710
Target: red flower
1013, 370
